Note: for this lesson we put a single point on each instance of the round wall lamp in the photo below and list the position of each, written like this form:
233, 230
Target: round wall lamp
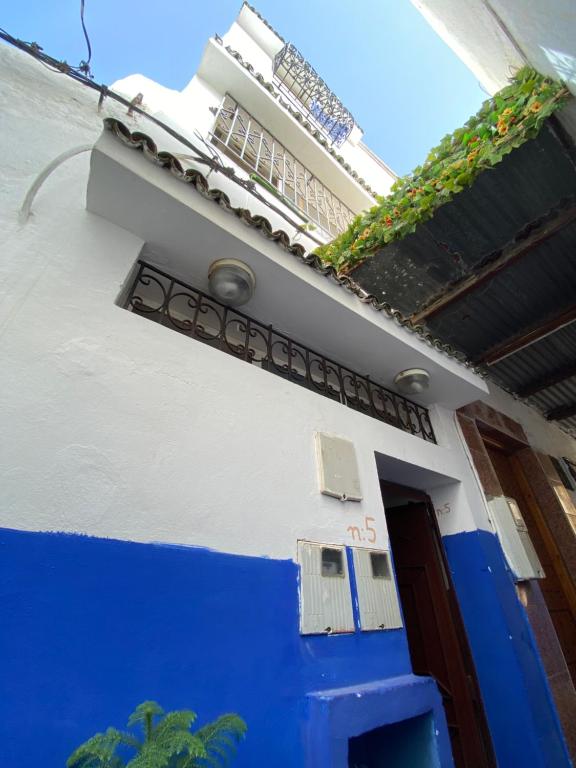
231, 281
412, 381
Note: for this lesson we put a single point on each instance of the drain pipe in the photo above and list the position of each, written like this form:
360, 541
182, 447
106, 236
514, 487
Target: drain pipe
24, 213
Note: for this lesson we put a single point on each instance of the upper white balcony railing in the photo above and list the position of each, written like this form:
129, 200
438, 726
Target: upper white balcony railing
242, 137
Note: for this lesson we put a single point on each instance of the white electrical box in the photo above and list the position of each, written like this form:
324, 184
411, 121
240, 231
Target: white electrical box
337, 467
377, 595
325, 596
515, 539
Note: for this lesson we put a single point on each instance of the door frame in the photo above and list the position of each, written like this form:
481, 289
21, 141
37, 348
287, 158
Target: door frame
511, 449
413, 494
534, 518
479, 424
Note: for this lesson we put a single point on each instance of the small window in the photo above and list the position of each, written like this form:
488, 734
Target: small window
332, 562
563, 470
566, 502
380, 566
566, 471
571, 468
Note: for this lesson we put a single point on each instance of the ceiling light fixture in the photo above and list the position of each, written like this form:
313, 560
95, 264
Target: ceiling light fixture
412, 381
231, 281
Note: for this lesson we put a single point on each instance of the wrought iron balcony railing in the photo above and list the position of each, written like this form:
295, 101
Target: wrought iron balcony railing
303, 86
170, 302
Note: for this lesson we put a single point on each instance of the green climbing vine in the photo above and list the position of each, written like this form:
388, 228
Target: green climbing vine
503, 123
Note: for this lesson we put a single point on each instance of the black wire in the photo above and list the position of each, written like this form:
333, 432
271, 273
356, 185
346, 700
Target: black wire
81, 76
84, 66
88, 45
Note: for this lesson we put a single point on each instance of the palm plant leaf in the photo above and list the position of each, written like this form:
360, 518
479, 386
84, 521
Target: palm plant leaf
220, 739
97, 752
179, 720
128, 740
159, 753
168, 744
143, 711
145, 714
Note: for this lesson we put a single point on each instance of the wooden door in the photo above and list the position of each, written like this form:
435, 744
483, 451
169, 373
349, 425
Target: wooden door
435, 635
559, 606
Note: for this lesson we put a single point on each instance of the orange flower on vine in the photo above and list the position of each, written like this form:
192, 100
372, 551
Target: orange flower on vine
504, 121
502, 126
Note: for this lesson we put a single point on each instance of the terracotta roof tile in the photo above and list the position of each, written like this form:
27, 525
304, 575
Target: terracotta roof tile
142, 142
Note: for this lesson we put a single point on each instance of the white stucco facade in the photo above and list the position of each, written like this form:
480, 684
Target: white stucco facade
117, 427
496, 37
163, 534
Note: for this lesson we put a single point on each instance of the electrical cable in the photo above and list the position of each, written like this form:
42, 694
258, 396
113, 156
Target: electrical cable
76, 73
85, 65
35, 50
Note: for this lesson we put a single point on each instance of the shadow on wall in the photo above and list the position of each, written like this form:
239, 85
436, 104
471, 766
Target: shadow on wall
408, 743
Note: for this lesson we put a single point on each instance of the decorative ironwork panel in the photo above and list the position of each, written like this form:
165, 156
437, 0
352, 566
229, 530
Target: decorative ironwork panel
160, 297
246, 141
304, 87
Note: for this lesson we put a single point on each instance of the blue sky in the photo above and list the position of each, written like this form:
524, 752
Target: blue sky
403, 85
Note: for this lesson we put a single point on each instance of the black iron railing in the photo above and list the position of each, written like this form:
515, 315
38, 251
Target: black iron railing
170, 302
303, 86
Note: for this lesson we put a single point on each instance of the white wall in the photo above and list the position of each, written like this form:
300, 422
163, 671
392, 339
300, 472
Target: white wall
114, 426
240, 40
379, 177
495, 37
117, 427
187, 112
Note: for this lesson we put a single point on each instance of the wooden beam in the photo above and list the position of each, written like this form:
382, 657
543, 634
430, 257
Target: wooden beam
526, 337
555, 377
506, 258
562, 412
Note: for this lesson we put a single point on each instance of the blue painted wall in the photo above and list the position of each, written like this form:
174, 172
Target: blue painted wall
521, 715
92, 627
341, 714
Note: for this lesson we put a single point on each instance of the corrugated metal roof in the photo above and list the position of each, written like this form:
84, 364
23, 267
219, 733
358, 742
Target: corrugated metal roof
537, 360
505, 207
529, 291
495, 211
534, 363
